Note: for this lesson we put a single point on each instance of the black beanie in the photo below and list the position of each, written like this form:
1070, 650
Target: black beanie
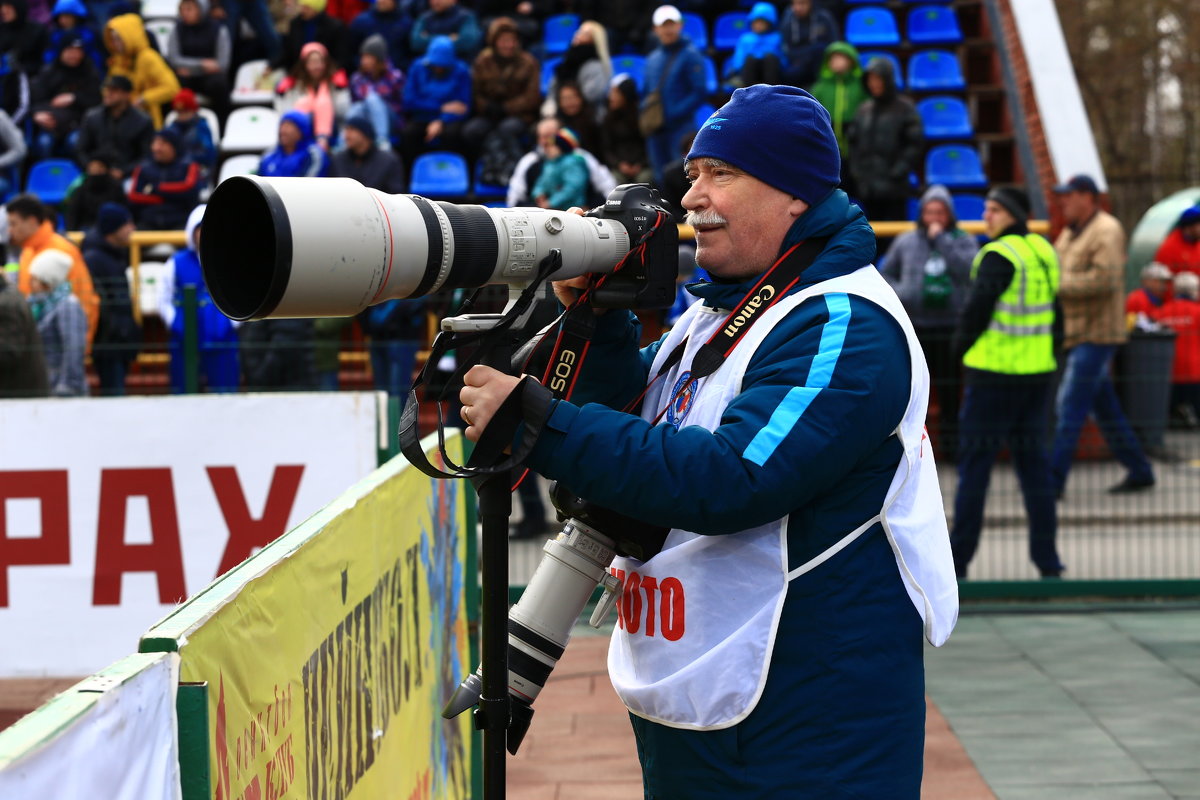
1014, 200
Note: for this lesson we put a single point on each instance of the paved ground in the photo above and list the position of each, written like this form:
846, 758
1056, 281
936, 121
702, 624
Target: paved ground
1032, 706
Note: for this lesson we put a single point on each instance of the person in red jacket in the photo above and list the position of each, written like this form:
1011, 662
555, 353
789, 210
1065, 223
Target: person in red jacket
1154, 291
1181, 249
1182, 315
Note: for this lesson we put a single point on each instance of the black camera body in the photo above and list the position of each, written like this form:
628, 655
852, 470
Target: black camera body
643, 282
631, 537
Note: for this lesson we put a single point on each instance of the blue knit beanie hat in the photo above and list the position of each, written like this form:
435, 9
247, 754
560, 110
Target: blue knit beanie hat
111, 217
1189, 216
778, 134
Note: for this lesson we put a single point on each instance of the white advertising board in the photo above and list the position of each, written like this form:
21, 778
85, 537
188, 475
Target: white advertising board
117, 738
113, 510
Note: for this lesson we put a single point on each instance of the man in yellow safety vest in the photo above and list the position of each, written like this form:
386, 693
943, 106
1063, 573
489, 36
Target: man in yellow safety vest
1007, 335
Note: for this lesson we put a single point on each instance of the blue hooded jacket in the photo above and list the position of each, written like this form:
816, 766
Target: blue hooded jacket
307, 160
758, 45
848, 647
59, 36
435, 80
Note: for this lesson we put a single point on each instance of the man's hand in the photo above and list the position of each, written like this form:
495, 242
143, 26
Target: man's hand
568, 291
484, 391
63, 100
935, 229
433, 130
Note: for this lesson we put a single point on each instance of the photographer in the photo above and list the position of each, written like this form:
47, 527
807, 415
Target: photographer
773, 647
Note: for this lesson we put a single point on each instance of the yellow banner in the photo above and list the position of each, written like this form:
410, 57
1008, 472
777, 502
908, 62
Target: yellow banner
327, 674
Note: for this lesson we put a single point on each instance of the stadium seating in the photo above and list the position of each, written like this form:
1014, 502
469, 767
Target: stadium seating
250, 129
485, 192
50, 179
935, 71
557, 32
696, 29
865, 57
705, 111
161, 30
209, 116
955, 166
728, 28
548, 73
151, 275
254, 84
933, 25
634, 66
945, 118
872, 26
712, 81
238, 165
159, 9
440, 174
968, 206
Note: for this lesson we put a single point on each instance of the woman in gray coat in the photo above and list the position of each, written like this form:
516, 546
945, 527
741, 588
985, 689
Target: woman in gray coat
930, 269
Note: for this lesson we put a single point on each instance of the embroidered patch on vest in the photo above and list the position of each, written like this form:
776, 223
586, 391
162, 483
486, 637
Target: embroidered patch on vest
681, 405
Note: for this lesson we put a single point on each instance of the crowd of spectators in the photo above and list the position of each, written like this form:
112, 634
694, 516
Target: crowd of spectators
366, 88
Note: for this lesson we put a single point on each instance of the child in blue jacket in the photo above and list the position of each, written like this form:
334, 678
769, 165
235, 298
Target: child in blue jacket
437, 100
759, 57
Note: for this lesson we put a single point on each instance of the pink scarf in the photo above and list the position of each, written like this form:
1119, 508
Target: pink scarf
319, 103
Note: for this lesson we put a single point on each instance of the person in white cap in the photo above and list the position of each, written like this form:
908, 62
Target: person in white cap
61, 323
674, 85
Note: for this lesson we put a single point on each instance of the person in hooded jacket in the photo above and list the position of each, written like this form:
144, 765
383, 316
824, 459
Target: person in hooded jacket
759, 56
505, 87
886, 144
384, 18
930, 269
447, 18
586, 63
96, 187
216, 335
61, 323
1180, 251
132, 56
69, 23
164, 188
118, 337
61, 94
806, 33
297, 154
21, 39
841, 91
437, 99
200, 50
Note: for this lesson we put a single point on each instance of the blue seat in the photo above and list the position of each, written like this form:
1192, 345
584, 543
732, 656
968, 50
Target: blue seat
440, 174
968, 206
488, 192
955, 166
728, 28
557, 32
705, 111
945, 118
933, 25
696, 29
872, 26
548, 73
865, 57
935, 71
635, 66
712, 81
912, 208
49, 179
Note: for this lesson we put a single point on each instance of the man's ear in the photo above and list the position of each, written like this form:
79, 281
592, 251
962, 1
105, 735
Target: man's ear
797, 207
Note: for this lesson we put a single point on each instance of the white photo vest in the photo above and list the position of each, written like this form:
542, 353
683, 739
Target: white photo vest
698, 620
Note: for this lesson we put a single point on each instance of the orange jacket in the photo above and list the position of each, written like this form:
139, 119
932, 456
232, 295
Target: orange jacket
1178, 253
81, 280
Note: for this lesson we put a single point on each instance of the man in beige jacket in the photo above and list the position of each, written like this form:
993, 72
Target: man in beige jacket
1091, 249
